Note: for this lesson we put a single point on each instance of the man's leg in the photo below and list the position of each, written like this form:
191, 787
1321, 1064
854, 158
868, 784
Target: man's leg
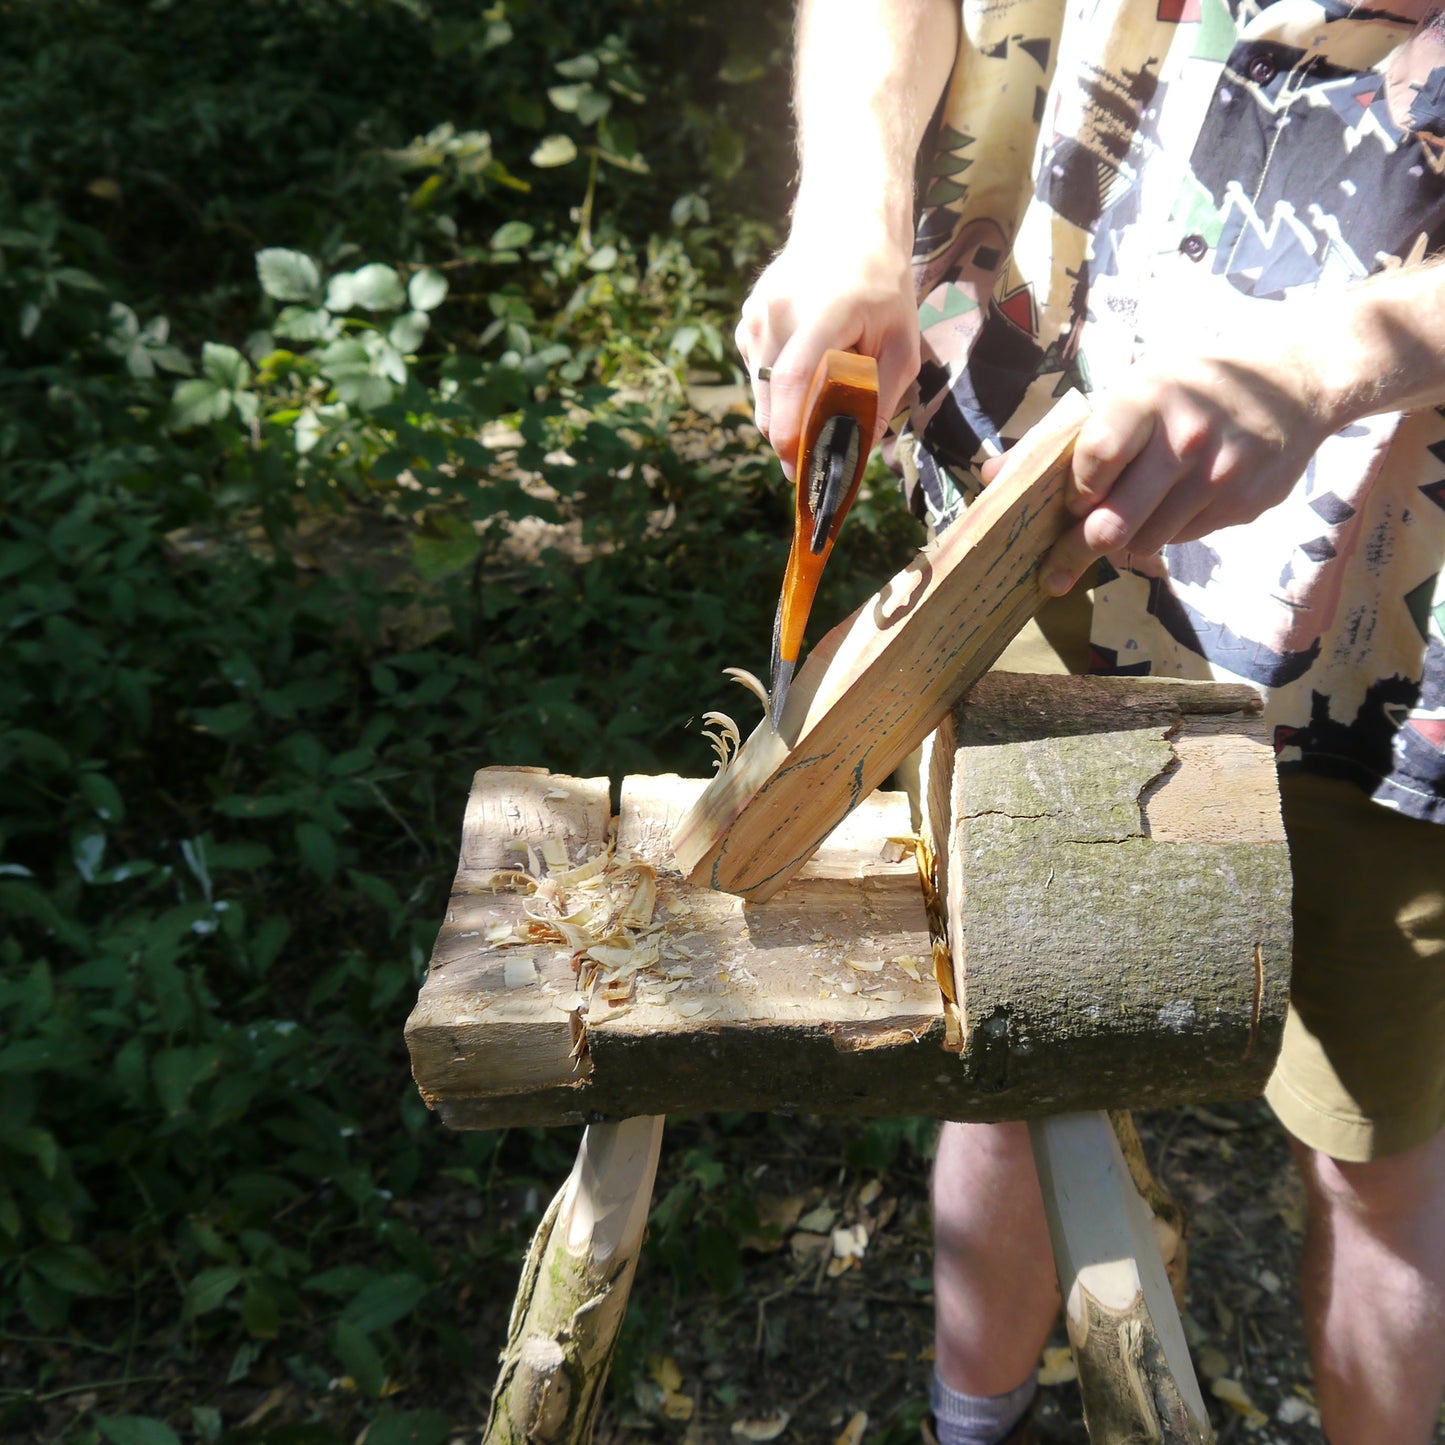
1360, 1084
1373, 1287
995, 1292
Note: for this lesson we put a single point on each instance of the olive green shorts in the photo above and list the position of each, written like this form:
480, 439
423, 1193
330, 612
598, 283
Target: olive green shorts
1362, 1069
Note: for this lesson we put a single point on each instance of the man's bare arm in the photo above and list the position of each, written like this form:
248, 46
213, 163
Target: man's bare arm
868, 74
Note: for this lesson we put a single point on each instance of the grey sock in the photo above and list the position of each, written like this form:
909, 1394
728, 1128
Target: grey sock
961, 1419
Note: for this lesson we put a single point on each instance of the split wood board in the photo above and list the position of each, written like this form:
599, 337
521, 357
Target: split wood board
784, 1005
878, 683
1117, 888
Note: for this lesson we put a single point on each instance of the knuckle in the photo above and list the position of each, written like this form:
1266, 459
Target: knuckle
1107, 531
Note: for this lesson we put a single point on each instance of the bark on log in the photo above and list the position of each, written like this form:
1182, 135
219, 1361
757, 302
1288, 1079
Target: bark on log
573, 1293
1117, 890
874, 687
1135, 1375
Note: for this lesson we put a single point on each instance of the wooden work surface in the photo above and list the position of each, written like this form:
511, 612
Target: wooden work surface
767, 1006
1113, 874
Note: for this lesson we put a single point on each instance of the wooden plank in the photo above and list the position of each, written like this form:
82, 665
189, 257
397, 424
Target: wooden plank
472, 1025
1135, 1374
877, 684
1116, 881
766, 1007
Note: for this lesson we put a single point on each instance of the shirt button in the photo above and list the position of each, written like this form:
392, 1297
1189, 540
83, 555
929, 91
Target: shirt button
1262, 70
1193, 246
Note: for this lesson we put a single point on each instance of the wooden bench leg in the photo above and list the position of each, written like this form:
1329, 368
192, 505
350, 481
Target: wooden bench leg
573, 1294
1135, 1375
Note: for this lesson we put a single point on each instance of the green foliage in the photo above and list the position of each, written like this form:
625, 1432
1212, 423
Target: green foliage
343, 450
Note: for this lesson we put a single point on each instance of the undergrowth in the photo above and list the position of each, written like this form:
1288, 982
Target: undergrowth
344, 449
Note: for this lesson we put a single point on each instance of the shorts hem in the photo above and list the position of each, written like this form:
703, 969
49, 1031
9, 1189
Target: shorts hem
1350, 1140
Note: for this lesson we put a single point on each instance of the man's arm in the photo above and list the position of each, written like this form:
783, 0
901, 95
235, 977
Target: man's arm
1190, 444
868, 74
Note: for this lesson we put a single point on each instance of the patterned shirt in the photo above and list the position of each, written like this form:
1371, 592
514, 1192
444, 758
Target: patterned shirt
1112, 179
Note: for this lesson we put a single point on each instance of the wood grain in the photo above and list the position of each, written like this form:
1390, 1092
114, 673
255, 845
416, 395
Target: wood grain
876, 685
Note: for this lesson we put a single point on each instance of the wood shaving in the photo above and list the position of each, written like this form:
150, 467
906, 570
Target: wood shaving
724, 737
746, 679
520, 972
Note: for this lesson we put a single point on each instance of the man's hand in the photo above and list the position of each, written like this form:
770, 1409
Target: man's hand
867, 78
1179, 450
825, 292
1173, 454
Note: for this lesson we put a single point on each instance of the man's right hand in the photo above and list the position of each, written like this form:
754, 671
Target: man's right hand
868, 75
827, 292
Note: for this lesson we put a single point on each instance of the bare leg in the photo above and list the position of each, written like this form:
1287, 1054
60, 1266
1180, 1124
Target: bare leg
1373, 1287
995, 1292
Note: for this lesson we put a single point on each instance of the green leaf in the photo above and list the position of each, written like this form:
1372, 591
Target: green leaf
135, 1430
287, 275
195, 403
260, 1313
410, 1427
360, 1357
511, 236
408, 331
436, 556
39, 1144
385, 1301
72, 1268
377, 288
726, 152
318, 851
225, 366
102, 795
427, 289
555, 150
305, 323
225, 721
604, 258
579, 67
209, 1289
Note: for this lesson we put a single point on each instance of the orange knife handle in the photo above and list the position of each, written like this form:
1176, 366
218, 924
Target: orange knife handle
845, 384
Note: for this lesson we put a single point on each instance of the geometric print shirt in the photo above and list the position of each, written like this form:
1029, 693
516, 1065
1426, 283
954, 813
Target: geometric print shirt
1110, 180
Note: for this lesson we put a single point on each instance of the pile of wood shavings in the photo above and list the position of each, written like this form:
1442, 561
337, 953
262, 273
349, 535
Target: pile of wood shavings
602, 911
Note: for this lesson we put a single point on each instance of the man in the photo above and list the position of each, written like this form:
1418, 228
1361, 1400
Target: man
1216, 216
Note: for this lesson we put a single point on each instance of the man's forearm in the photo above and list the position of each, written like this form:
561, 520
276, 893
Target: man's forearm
868, 75
1380, 345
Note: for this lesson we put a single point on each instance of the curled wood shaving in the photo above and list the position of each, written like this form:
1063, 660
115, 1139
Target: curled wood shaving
508, 880
746, 679
724, 737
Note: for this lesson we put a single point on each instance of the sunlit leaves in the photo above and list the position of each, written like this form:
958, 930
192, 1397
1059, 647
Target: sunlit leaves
287, 275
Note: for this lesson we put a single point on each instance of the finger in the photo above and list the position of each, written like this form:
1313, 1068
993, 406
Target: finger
792, 374
1116, 432
1176, 515
1122, 520
752, 343
898, 360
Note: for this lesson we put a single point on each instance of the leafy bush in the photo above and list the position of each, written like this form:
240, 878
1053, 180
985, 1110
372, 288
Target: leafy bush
344, 449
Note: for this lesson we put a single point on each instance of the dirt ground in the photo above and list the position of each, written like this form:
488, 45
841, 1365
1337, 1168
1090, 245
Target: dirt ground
815, 1349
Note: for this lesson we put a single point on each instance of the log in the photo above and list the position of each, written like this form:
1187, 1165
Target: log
1135, 1375
573, 1293
1154, 809
878, 683
1116, 884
